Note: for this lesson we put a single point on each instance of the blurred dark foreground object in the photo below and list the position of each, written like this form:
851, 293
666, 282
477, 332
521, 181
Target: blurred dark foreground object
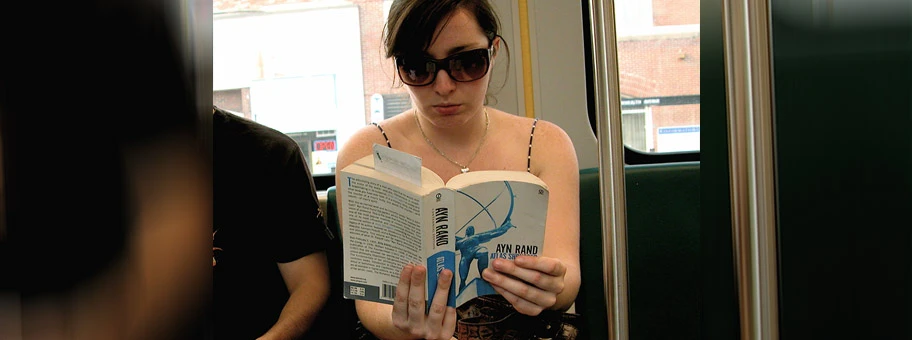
104, 185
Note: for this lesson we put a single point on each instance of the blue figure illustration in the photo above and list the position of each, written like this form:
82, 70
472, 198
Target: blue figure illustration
470, 246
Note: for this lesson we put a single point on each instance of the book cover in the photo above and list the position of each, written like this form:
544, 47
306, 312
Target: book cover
497, 219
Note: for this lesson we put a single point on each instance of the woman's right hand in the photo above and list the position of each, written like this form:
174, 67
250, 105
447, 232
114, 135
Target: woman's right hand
409, 314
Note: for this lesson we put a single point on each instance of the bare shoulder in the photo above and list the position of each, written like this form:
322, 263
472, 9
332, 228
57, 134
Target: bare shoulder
547, 138
545, 131
362, 141
552, 133
358, 145
552, 147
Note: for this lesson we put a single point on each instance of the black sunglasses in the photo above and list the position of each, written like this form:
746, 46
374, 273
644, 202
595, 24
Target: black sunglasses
462, 67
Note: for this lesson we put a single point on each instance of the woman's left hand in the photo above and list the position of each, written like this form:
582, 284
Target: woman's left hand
530, 283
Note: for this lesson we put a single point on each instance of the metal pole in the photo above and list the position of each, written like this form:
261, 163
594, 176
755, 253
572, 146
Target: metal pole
611, 165
751, 150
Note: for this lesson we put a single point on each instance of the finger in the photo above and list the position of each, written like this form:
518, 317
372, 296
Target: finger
521, 305
437, 312
400, 305
550, 266
520, 288
416, 297
449, 323
542, 272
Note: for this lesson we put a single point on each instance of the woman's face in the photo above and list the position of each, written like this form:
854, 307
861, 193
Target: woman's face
446, 102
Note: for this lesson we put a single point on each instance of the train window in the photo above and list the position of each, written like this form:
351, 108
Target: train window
313, 70
659, 63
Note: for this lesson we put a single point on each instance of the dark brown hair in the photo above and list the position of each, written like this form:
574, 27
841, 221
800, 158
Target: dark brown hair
411, 24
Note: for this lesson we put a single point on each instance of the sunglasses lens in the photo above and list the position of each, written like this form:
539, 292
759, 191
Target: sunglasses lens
469, 66
465, 66
415, 71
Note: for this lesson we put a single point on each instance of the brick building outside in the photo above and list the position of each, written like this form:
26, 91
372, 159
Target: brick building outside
659, 60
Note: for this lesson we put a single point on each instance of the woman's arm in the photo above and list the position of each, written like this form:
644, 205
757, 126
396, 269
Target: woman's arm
406, 319
552, 280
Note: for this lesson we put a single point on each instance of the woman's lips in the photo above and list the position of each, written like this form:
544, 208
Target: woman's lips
446, 109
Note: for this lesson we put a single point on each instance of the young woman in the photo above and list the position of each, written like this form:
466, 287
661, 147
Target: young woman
444, 51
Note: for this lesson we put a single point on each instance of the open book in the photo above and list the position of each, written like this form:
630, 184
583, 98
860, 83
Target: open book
390, 220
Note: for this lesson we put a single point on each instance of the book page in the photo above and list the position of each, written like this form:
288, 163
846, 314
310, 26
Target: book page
382, 232
429, 179
397, 163
473, 177
496, 219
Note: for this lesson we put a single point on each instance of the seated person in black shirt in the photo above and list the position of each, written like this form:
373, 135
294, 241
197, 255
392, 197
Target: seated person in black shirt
270, 271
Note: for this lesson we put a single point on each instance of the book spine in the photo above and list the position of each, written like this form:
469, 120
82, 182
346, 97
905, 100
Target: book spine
440, 242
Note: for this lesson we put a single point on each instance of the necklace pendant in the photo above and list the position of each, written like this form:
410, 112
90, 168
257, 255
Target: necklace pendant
464, 170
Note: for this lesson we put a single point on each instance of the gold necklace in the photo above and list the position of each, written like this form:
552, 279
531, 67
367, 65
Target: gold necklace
463, 168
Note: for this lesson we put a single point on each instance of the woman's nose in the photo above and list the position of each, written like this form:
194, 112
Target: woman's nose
444, 84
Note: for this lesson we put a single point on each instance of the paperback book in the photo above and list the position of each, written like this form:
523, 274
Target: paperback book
395, 212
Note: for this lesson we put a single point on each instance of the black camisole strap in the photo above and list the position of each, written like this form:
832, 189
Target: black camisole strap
529, 158
390, 146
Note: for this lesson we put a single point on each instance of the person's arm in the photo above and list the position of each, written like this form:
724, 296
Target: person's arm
562, 235
554, 161
297, 245
376, 317
307, 280
382, 319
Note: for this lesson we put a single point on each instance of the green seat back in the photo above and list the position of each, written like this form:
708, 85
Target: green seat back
590, 302
663, 252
